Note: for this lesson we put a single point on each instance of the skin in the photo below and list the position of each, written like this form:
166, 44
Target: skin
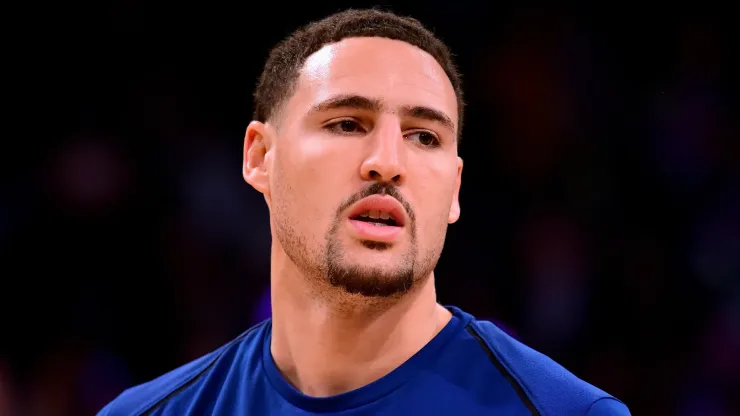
367, 115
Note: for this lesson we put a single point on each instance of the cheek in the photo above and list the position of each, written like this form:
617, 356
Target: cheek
311, 182
436, 191
315, 162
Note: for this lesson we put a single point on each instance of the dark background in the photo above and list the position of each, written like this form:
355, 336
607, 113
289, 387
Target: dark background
600, 203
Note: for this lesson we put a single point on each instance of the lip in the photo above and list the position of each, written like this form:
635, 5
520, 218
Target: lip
384, 233
378, 233
382, 203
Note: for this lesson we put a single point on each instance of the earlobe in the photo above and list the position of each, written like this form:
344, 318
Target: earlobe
254, 168
455, 207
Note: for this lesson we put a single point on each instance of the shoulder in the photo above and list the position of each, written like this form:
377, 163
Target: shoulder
608, 406
551, 389
143, 397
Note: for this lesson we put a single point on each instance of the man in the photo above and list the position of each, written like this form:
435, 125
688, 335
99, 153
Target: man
354, 147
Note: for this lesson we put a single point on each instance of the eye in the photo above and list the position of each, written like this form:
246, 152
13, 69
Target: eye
424, 138
345, 127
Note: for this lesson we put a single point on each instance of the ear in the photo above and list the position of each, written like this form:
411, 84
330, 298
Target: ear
455, 207
256, 146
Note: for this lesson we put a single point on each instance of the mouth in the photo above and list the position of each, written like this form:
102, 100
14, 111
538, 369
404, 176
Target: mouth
379, 218
376, 218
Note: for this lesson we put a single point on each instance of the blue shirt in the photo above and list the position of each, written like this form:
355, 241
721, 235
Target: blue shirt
470, 368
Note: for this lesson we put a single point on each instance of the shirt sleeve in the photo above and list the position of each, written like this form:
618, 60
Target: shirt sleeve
608, 406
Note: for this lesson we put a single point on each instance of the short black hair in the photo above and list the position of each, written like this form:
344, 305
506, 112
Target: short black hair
277, 82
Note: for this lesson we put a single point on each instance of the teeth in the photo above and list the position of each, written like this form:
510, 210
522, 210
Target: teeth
375, 214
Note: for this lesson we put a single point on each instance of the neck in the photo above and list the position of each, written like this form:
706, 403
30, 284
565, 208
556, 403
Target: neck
327, 345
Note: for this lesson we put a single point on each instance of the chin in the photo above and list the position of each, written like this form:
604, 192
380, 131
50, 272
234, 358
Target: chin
376, 246
375, 254
372, 281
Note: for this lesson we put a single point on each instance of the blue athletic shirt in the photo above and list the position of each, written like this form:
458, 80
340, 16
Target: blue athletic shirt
470, 368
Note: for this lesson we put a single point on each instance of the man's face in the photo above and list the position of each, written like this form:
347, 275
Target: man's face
369, 133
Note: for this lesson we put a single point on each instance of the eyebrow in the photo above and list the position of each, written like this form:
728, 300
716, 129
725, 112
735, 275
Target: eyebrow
359, 102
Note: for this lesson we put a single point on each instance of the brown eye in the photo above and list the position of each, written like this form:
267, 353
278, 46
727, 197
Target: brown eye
345, 127
425, 138
350, 126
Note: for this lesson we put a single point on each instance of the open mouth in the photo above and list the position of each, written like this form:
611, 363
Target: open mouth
377, 218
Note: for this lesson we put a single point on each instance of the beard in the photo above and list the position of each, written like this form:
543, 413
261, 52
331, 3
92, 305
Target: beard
328, 263
368, 281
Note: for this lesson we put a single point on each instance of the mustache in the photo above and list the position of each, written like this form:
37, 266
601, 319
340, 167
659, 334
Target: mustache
377, 188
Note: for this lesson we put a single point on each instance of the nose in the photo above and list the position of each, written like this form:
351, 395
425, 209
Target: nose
386, 160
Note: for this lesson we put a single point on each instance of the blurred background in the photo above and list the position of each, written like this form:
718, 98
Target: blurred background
601, 193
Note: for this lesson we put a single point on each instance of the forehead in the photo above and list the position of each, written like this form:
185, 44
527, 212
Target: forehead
392, 71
